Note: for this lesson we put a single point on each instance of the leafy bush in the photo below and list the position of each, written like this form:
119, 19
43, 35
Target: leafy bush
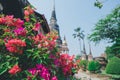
26, 54
113, 66
98, 66
83, 64
93, 66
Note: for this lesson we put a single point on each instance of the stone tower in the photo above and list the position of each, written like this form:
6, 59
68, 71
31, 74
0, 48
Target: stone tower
84, 54
54, 26
64, 47
90, 56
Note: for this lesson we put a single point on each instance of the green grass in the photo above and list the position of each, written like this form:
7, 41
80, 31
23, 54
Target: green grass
113, 76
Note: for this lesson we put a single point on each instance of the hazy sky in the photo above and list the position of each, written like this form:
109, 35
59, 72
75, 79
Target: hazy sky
76, 13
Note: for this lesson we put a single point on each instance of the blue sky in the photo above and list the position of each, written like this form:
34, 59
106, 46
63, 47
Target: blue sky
76, 13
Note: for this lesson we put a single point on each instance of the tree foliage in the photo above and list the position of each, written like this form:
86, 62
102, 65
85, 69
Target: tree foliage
113, 50
98, 4
109, 52
78, 33
107, 28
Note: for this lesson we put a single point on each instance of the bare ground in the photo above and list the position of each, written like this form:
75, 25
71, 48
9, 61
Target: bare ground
90, 76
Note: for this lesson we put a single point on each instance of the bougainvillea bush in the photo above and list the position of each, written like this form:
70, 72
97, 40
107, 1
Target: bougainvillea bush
27, 54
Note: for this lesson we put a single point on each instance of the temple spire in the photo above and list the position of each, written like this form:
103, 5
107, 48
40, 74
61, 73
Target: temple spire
64, 48
90, 49
54, 26
90, 57
84, 50
54, 5
64, 41
64, 38
53, 16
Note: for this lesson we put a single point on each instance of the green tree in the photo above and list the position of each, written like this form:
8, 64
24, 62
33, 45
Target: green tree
98, 4
109, 52
79, 34
113, 50
108, 29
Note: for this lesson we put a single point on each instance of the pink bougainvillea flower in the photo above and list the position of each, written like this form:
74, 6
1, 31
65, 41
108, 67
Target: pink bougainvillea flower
27, 19
2, 20
56, 62
18, 23
15, 45
48, 41
71, 57
9, 20
52, 44
66, 63
20, 31
41, 70
33, 71
37, 26
26, 13
38, 38
30, 9
14, 69
54, 78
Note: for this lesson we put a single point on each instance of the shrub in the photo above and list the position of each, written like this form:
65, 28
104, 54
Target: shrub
83, 64
98, 66
93, 66
113, 66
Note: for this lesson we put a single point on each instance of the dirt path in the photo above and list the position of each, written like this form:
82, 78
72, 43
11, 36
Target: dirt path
87, 76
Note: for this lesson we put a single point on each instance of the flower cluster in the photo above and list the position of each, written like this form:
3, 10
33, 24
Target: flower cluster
42, 71
55, 59
67, 64
20, 31
14, 69
39, 50
11, 21
12, 26
45, 41
15, 45
37, 26
28, 11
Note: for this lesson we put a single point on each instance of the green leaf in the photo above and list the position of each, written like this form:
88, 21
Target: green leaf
45, 56
29, 50
29, 74
4, 67
33, 19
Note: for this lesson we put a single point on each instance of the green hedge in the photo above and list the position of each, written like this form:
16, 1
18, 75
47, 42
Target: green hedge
83, 64
93, 66
113, 66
